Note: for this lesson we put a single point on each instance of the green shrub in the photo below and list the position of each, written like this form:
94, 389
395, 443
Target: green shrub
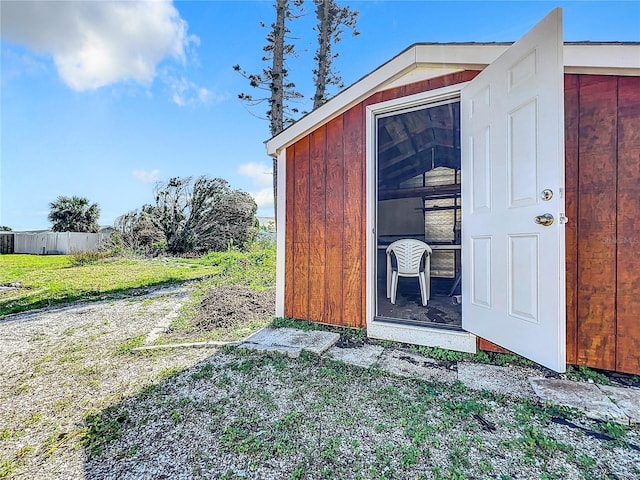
159, 247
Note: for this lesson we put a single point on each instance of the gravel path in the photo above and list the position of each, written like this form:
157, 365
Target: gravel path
60, 363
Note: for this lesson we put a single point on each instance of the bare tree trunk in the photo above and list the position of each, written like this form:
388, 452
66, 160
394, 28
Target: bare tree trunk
277, 87
277, 74
322, 55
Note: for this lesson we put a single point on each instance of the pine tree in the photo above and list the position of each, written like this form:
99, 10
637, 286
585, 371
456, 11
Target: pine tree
274, 79
331, 20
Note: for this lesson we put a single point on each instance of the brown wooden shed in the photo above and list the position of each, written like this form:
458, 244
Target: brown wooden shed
517, 164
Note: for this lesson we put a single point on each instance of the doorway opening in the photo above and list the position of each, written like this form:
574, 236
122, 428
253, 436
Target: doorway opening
418, 197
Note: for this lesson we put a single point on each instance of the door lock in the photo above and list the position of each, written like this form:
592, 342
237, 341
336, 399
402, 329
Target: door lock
546, 195
544, 220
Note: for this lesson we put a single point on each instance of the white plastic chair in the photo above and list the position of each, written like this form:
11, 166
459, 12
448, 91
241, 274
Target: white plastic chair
409, 255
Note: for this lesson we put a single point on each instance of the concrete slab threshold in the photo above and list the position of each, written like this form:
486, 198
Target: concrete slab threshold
290, 341
365, 356
405, 364
626, 399
584, 396
510, 380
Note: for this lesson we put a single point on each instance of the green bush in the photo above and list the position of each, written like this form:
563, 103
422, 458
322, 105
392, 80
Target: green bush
158, 248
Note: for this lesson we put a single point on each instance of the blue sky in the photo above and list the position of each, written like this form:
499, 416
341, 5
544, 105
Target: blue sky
103, 99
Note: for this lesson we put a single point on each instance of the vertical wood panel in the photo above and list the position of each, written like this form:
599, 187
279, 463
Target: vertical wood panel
301, 230
317, 231
334, 222
571, 126
596, 227
289, 285
353, 267
628, 228
365, 228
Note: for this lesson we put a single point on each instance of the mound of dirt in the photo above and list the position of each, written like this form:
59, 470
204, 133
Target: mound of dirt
232, 305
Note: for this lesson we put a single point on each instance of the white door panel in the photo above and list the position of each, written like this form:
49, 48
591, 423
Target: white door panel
524, 255
481, 268
512, 137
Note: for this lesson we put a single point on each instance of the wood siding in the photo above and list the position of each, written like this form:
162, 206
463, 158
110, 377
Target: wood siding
325, 262
326, 212
628, 227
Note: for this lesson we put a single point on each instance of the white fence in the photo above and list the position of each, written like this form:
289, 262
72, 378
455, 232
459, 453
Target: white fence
58, 242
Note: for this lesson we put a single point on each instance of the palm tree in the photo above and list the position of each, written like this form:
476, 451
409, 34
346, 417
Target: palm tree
74, 214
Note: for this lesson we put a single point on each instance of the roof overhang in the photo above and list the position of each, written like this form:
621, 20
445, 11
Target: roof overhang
429, 60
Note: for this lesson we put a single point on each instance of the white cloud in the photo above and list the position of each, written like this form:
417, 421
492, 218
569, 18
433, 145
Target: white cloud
260, 173
185, 92
147, 176
95, 43
264, 198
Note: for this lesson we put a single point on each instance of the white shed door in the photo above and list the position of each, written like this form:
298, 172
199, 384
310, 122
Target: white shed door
512, 135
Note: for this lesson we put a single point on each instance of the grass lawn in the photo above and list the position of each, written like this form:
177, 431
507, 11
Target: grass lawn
51, 279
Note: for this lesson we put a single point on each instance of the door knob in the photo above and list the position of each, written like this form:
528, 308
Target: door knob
544, 220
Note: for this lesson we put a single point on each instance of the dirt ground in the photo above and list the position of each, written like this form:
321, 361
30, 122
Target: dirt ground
232, 305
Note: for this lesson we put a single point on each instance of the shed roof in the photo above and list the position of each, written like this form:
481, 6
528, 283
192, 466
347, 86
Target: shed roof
422, 61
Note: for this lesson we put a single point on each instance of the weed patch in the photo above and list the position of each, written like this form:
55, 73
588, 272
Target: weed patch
582, 373
102, 428
205, 371
254, 268
78, 259
127, 346
536, 444
7, 467
614, 430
